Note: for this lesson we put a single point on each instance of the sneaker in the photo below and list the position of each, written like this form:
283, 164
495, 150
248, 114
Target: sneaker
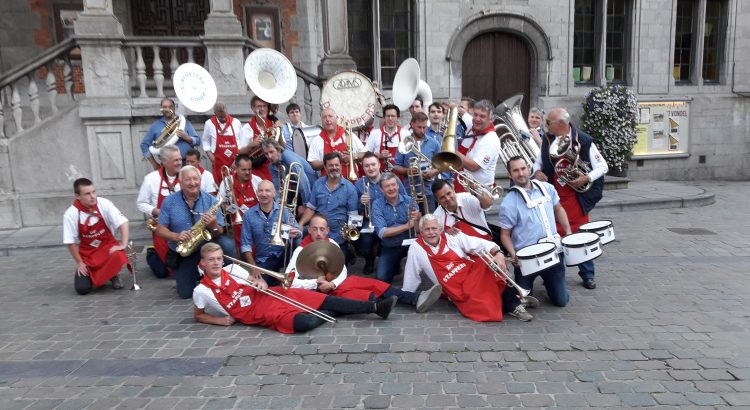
117, 282
383, 307
428, 298
589, 284
521, 314
530, 302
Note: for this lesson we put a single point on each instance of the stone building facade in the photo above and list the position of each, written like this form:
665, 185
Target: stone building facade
553, 51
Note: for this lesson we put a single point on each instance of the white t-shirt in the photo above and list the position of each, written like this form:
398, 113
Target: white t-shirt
310, 284
418, 260
373, 141
208, 140
148, 195
112, 217
317, 146
204, 298
469, 208
485, 152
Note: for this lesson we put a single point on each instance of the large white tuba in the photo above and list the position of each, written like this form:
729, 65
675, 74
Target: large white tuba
511, 131
270, 76
407, 86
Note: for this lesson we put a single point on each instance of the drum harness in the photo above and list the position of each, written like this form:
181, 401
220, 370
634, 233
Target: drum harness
537, 203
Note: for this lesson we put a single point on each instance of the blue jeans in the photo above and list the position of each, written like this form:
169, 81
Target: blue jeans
586, 270
365, 246
156, 264
404, 297
389, 264
186, 272
554, 282
274, 263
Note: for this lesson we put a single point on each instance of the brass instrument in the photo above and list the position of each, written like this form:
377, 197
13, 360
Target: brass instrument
510, 132
471, 184
132, 255
568, 163
295, 170
349, 141
416, 185
286, 280
152, 223
502, 273
350, 232
278, 295
408, 145
198, 233
233, 213
168, 135
368, 206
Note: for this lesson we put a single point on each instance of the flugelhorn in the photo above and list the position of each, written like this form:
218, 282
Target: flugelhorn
132, 255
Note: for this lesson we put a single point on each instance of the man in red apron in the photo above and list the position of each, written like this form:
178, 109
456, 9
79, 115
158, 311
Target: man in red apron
384, 140
478, 293
222, 297
87, 231
480, 148
354, 287
156, 186
333, 139
241, 195
221, 139
255, 131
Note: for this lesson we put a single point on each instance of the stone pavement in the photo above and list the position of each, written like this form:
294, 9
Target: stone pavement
666, 327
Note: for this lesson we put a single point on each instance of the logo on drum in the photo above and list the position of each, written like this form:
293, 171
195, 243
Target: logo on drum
344, 83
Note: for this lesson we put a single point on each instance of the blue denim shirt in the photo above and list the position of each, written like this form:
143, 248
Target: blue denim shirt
385, 215
375, 192
335, 204
155, 130
526, 223
257, 229
429, 148
287, 157
176, 216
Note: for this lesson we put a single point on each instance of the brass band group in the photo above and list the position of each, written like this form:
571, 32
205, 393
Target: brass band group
265, 235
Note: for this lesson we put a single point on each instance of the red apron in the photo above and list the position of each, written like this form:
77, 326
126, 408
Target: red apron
226, 146
338, 143
263, 171
465, 150
251, 307
384, 145
160, 244
569, 202
464, 227
473, 288
363, 134
243, 194
95, 242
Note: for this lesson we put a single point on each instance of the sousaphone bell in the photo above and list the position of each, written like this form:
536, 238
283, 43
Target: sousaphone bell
270, 76
407, 86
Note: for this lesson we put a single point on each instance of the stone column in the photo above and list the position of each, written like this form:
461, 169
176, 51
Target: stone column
335, 39
225, 58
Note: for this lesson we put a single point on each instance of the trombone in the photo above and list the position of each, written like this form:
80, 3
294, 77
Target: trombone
408, 145
278, 295
293, 177
502, 273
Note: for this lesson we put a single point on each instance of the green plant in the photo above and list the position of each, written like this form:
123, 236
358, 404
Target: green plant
610, 117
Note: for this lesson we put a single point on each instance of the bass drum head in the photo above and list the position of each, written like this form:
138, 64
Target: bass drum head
194, 87
270, 76
351, 95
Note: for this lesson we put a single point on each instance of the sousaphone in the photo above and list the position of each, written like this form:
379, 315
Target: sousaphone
270, 76
407, 86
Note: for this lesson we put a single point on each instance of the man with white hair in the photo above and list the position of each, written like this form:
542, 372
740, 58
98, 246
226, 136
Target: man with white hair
179, 213
333, 139
480, 147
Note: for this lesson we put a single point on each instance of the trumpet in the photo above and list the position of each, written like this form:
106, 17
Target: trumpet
233, 212
368, 206
502, 273
349, 140
132, 255
278, 295
471, 184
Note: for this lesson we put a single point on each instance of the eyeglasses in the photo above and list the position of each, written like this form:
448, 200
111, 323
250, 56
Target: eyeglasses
548, 122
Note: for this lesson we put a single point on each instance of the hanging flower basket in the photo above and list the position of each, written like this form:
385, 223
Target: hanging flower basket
610, 117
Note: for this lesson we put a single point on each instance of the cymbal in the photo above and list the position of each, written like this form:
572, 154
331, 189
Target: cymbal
318, 258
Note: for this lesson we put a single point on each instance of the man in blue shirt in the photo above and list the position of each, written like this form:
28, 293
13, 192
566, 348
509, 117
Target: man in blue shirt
428, 147
186, 139
178, 213
258, 227
523, 225
278, 155
395, 220
334, 197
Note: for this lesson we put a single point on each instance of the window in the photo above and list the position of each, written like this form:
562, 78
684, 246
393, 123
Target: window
683, 40
591, 42
385, 25
713, 40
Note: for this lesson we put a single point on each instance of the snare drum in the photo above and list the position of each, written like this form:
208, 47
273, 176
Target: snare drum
351, 95
537, 257
604, 229
581, 247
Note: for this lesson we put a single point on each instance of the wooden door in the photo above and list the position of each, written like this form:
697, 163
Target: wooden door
497, 66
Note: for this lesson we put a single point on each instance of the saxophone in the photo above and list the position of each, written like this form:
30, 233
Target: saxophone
198, 233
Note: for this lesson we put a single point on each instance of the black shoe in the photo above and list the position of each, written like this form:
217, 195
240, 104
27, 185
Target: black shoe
589, 284
383, 307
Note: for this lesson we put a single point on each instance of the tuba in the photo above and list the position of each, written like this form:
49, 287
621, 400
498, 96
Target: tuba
511, 131
168, 135
568, 163
198, 233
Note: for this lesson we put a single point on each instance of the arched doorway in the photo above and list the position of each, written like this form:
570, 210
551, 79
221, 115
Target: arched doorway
495, 66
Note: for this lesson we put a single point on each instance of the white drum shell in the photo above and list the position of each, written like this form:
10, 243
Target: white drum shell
537, 257
351, 95
604, 229
581, 247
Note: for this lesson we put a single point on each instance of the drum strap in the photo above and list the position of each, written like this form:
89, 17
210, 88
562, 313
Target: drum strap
537, 203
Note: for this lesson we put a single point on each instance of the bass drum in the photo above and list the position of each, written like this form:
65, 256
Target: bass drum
351, 95
303, 137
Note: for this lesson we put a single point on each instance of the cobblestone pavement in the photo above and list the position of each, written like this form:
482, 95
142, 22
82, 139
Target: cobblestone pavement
667, 326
